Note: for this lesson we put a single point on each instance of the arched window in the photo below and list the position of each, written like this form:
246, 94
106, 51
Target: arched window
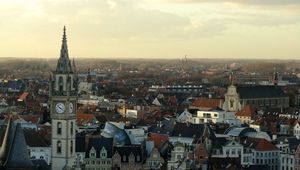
61, 83
58, 147
58, 128
72, 128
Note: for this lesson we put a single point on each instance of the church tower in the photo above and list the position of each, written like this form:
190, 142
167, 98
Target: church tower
63, 98
232, 98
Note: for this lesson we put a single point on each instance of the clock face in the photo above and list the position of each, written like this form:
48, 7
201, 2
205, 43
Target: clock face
60, 108
71, 108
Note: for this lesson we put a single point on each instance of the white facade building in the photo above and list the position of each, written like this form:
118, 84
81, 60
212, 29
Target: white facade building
215, 116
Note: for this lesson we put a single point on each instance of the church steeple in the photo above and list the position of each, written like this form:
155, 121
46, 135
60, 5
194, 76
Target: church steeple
64, 63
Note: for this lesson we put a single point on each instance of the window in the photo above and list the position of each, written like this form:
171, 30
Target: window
72, 128
233, 151
138, 158
61, 83
215, 115
58, 147
231, 103
71, 147
58, 128
124, 158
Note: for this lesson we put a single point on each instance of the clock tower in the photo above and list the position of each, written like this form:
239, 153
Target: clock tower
63, 98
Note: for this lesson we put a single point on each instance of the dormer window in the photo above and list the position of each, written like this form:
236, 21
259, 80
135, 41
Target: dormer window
103, 153
92, 152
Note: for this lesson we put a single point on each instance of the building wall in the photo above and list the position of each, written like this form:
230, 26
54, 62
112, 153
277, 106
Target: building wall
296, 130
214, 116
40, 153
270, 158
287, 161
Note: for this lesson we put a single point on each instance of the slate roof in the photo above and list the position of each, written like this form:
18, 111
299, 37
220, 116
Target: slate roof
251, 92
188, 130
80, 142
40, 164
98, 144
136, 150
292, 141
163, 127
18, 156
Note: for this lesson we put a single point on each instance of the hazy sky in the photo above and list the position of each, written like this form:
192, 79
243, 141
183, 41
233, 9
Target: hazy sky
151, 28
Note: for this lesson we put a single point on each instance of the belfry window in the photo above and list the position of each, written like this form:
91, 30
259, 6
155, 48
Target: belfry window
231, 103
59, 128
58, 146
61, 83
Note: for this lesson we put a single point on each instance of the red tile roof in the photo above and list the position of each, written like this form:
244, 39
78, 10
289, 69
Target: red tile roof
264, 145
23, 96
247, 111
158, 138
206, 102
261, 144
83, 118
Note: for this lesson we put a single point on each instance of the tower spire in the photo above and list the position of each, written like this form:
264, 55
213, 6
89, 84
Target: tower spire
64, 64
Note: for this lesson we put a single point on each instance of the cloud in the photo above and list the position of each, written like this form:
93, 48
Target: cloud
253, 2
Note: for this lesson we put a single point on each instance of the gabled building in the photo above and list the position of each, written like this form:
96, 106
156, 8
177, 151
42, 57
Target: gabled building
128, 157
99, 154
263, 152
154, 160
247, 114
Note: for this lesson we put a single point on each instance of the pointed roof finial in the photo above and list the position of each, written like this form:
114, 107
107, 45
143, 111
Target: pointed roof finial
64, 32
231, 78
74, 66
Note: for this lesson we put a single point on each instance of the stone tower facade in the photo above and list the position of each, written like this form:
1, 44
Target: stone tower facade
63, 98
232, 98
